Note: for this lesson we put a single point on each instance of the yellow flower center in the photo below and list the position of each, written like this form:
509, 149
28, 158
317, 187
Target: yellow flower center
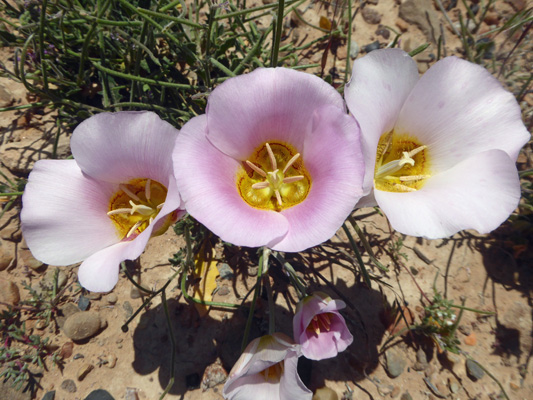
320, 323
273, 178
402, 164
133, 208
273, 373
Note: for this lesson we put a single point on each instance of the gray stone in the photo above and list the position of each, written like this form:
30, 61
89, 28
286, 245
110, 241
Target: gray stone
50, 395
82, 325
99, 394
84, 371
421, 360
406, 396
371, 47
473, 370
454, 385
395, 362
422, 14
371, 16
9, 292
354, 49
64, 312
128, 309
225, 271
135, 293
69, 386
223, 291
111, 298
83, 303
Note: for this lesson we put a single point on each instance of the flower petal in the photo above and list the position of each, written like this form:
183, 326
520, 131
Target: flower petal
268, 104
458, 109
291, 386
206, 179
478, 193
380, 83
118, 147
252, 387
332, 156
64, 216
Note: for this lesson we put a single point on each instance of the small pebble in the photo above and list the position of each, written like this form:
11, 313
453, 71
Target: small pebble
471, 339
465, 330
252, 271
131, 394
7, 254
84, 371
214, 374
82, 325
135, 293
354, 49
66, 350
383, 32
395, 362
473, 370
225, 271
325, 393
128, 309
406, 396
93, 295
50, 395
111, 361
9, 292
384, 390
395, 392
371, 16
99, 394
371, 47
83, 303
223, 291
111, 298
454, 385
68, 385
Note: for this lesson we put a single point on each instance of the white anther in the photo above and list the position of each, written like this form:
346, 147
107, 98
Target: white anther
292, 179
147, 189
272, 157
256, 168
278, 197
129, 192
133, 229
120, 211
413, 178
291, 161
261, 185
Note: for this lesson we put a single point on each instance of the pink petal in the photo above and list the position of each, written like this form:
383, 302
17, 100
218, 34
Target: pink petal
252, 387
459, 109
206, 181
478, 193
381, 81
64, 216
268, 104
291, 386
334, 160
99, 272
118, 147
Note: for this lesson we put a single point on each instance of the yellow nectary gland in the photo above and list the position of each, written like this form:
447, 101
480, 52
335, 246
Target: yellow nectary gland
133, 208
402, 164
273, 178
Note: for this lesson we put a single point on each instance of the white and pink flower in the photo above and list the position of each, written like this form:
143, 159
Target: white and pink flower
275, 161
440, 150
267, 370
102, 207
319, 327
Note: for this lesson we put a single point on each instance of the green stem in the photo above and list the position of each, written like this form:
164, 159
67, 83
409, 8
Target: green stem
172, 345
364, 272
156, 14
277, 35
366, 245
254, 300
42, 24
349, 44
473, 310
12, 194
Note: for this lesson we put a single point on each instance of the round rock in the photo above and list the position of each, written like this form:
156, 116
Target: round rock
82, 325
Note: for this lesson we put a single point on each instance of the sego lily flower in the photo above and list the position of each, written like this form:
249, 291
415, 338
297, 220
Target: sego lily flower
319, 327
102, 207
267, 371
275, 161
440, 151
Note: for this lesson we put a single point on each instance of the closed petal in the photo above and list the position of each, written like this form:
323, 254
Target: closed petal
478, 193
380, 83
332, 155
458, 109
64, 214
118, 147
252, 387
268, 104
206, 180
291, 386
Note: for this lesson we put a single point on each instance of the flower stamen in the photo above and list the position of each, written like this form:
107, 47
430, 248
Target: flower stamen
256, 168
273, 162
290, 162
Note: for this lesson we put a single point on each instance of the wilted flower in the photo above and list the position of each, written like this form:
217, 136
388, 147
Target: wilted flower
319, 327
440, 151
102, 207
267, 371
275, 161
